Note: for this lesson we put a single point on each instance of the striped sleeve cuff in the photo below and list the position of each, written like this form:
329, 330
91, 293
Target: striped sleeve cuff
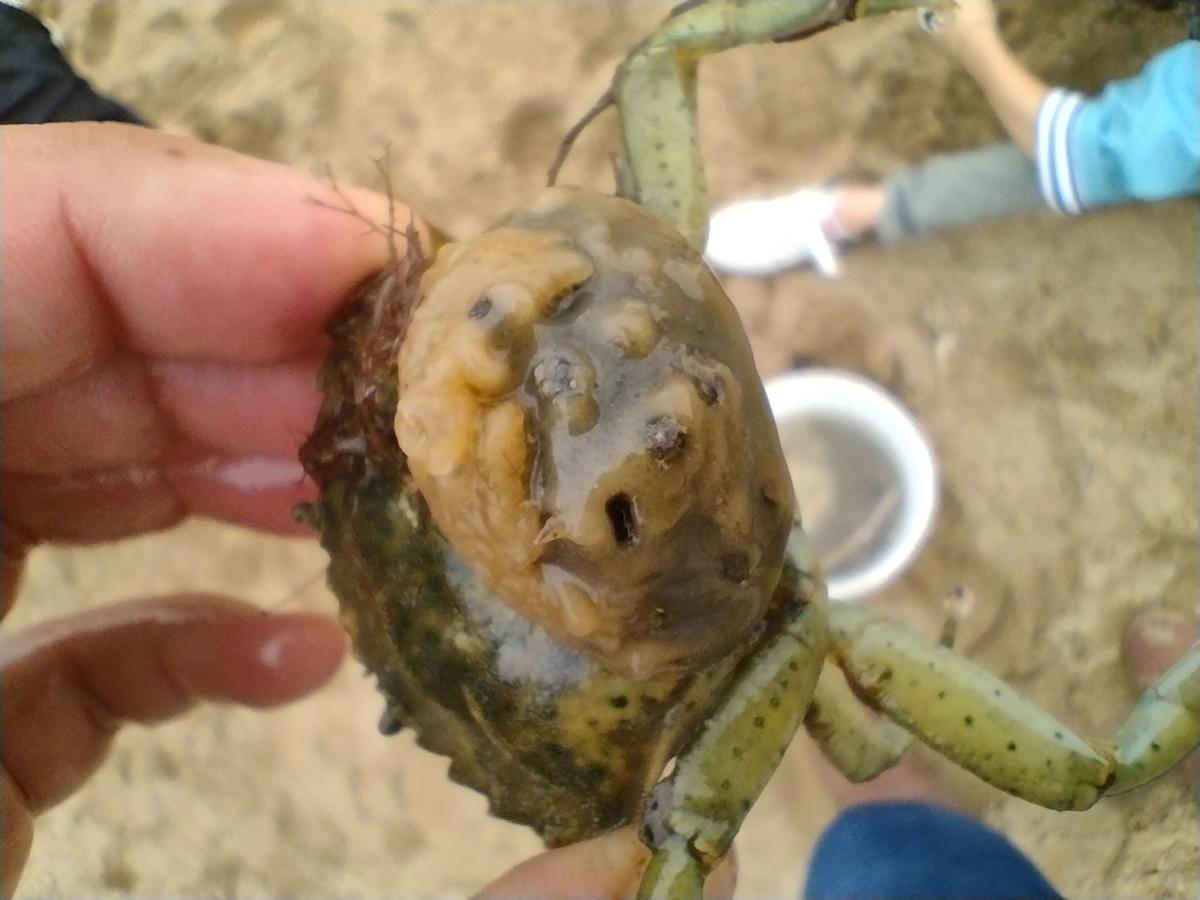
1052, 150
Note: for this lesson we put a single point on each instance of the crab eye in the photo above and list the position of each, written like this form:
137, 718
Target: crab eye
622, 514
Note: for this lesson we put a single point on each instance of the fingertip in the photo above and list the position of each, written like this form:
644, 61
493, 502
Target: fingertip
604, 866
723, 880
261, 659
279, 252
16, 835
1154, 640
68, 684
256, 491
607, 866
301, 654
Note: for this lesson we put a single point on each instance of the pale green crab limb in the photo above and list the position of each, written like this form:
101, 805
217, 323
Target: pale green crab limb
660, 166
974, 719
694, 814
1163, 728
859, 745
859, 742
654, 90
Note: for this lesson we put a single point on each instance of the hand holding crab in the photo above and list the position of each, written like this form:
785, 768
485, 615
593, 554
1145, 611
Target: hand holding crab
132, 381
117, 395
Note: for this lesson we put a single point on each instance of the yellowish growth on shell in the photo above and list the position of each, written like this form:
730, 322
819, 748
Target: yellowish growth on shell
463, 432
580, 410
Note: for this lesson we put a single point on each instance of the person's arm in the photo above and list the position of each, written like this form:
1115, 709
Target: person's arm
971, 35
1138, 140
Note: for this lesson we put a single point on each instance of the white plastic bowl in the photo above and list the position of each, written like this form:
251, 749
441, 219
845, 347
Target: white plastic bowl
866, 479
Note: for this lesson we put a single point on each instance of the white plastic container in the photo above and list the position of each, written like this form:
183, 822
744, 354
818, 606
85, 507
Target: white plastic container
865, 476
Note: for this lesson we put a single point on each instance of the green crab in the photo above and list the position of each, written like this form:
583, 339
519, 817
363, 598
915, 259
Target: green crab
562, 532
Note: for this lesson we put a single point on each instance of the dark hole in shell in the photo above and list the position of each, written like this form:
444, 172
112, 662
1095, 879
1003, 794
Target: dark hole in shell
735, 567
623, 515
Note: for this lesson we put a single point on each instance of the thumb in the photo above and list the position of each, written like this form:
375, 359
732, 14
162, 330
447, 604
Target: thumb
606, 867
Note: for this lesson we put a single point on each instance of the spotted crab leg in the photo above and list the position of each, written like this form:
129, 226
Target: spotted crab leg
861, 744
976, 720
654, 90
695, 813
1163, 728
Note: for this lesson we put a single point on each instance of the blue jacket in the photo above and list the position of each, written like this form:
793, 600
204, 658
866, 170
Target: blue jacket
1137, 140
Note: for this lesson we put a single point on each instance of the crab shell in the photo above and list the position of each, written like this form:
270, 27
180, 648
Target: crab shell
557, 524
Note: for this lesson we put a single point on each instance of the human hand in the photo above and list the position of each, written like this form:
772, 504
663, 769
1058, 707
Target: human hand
963, 26
162, 320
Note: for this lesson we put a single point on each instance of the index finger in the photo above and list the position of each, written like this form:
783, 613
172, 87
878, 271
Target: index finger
122, 237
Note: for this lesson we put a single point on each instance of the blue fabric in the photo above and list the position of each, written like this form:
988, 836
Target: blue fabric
37, 84
910, 851
1140, 138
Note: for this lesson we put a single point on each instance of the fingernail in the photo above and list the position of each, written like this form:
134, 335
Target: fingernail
256, 473
270, 654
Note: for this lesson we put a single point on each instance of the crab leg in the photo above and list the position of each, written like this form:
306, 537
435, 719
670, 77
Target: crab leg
694, 814
654, 90
976, 720
1164, 726
862, 745
660, 166
655, 93
858, 744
